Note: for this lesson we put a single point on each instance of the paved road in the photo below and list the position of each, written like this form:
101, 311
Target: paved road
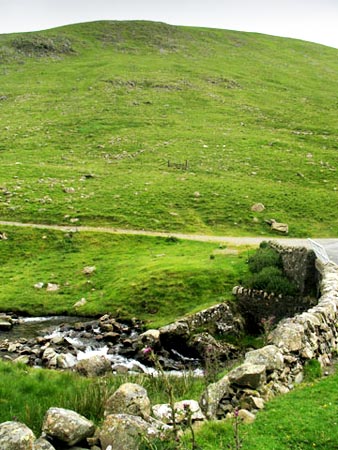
330, 245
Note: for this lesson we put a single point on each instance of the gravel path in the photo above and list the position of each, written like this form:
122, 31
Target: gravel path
330, 245
237, 241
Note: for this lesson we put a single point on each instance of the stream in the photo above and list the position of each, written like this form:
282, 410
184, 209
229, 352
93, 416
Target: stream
61, 342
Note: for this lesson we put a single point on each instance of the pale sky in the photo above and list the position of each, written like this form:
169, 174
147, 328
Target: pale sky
309, 20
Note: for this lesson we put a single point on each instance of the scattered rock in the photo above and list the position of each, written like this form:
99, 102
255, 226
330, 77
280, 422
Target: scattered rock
88, 270
80, 303
93, 366
52, 287
49, 357
69, 190
39, 285
6, 323
258, 207
278, 226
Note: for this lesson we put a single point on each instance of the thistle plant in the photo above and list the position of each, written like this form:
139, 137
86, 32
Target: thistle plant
237, 442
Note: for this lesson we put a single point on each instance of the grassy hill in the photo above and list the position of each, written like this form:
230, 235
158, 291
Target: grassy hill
90, 115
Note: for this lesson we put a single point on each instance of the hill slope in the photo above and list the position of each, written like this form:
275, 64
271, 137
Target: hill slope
90, 115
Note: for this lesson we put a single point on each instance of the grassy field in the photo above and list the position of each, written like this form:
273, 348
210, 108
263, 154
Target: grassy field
305, 418
91, 114
153, 279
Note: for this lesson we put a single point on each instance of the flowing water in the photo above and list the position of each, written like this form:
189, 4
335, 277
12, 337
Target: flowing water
84, 345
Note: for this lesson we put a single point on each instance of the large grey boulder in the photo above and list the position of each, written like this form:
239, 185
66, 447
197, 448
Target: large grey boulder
129, 398
93, 366
269, 356
124, 431
248, 375
67, 426
213, 395
16, 436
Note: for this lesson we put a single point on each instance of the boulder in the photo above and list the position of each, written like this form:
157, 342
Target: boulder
213, 395
174, 334
93, 366
124, 431
16, 436
248, 375
270, 356
208, 348
129, 398
66, 361
6, 323
49, 357
150, 338
278, 226
67, 426
163, 412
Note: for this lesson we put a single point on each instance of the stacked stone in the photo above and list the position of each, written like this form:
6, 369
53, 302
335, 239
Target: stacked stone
275, 368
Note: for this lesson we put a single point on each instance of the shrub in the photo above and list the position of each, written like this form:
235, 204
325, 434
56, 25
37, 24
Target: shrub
264, 257
271, 279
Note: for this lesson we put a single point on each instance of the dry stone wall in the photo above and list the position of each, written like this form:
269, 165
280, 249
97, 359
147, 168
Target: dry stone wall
277, 367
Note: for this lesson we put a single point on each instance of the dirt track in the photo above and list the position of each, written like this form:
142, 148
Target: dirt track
236, 241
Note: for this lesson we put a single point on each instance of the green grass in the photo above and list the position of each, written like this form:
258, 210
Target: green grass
26, 393
254, 115
306, 418
153, 279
